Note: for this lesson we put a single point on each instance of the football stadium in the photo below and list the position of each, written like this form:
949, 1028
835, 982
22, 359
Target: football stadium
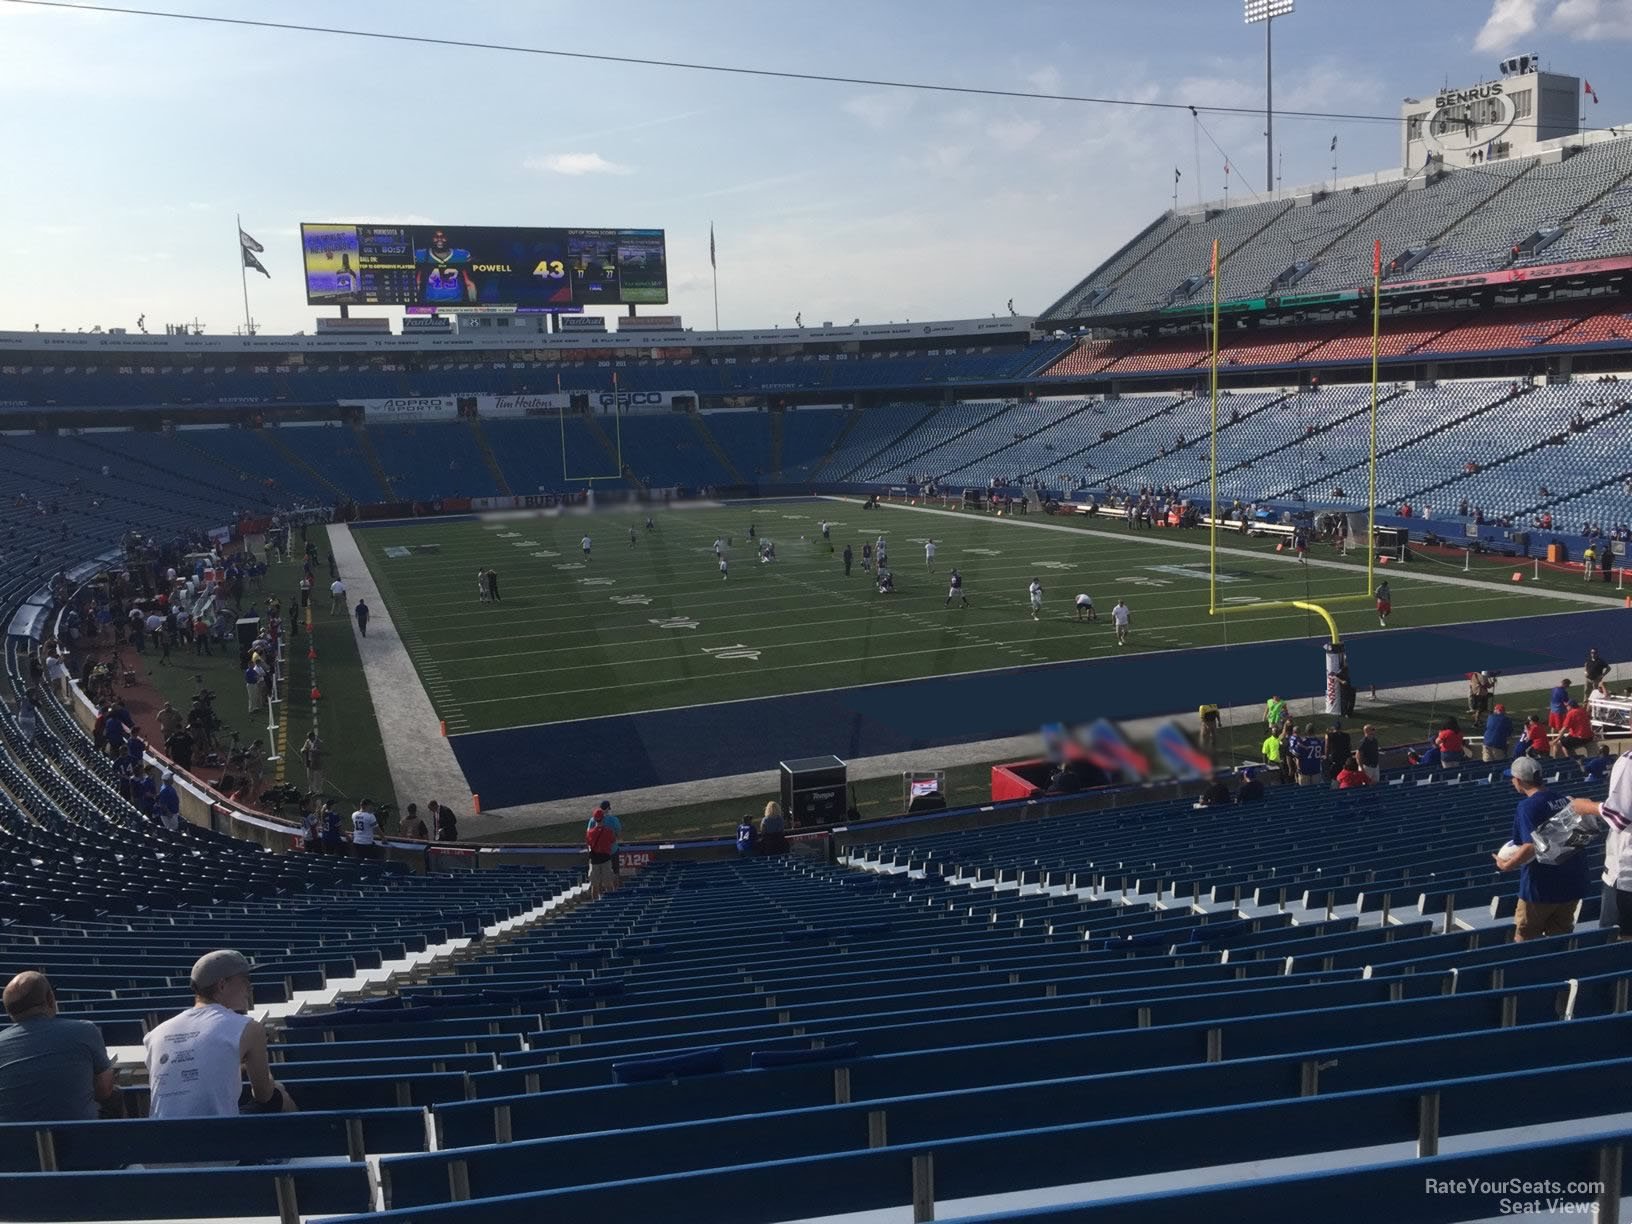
501, 753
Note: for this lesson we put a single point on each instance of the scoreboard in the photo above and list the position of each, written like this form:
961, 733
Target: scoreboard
482, 267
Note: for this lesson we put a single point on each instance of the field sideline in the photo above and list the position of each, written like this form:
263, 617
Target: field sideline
653, 626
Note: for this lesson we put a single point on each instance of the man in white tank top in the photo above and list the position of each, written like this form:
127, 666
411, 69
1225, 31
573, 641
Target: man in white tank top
196, 1061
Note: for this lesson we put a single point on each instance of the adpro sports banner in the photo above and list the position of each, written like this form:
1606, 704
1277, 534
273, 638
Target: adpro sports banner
426, 408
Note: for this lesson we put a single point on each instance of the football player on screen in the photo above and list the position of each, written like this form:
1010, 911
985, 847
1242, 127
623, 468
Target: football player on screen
441, 271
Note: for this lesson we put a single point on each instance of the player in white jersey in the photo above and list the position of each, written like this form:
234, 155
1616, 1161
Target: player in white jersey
1122, 616
1085, 608
584, 544
881, 551
725, 566
929, 555
1036, 591
956, 591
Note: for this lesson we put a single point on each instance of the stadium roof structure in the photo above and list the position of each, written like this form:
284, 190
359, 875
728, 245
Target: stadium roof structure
1562, 212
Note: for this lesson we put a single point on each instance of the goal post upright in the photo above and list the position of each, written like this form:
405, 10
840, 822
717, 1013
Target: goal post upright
1376, 333
1212, 461
617, 426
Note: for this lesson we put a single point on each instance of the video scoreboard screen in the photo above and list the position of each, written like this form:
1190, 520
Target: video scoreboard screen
476, 267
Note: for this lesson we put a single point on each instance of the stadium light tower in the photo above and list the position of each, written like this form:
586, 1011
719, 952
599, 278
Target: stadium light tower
1265, 11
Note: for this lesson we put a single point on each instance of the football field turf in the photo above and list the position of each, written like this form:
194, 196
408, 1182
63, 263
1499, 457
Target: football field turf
654, 626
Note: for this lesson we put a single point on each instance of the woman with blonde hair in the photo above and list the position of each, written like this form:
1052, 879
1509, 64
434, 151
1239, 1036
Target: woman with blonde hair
772, 830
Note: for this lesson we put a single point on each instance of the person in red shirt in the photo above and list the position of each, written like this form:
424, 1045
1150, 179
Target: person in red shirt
599, 840
1352, 775
1452, 749
1535, 736
1575, 732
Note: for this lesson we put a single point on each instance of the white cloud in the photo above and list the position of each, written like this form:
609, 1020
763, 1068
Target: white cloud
1509, 20
1046, 80
1594, 19
576, 164
1013, 133
879, 110
1580, 20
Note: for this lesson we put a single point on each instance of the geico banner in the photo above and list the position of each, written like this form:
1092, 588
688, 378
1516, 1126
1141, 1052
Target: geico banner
553, 402
427, 408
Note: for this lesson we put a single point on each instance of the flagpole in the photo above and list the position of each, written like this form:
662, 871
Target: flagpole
243, 272
713, 264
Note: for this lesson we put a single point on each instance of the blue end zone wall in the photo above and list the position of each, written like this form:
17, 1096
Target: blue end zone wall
537, 764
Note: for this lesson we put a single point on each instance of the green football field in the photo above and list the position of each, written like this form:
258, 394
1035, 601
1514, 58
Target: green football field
653, 625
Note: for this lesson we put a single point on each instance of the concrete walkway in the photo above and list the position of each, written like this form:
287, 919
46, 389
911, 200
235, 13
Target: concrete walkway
755, 788
421, 760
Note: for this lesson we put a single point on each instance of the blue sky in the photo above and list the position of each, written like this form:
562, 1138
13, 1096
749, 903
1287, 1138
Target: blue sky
130, 143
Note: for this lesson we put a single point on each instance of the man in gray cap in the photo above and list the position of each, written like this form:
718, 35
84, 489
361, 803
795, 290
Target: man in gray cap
1549, 893
51, 1069
196, 1061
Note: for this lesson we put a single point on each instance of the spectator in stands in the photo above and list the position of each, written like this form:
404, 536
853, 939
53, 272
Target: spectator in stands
52, 1069
1251, 790
745, 835
413, 824
167, 806
1558, 704
365, 829
197, 1061
1616, 813
1452, 747
1339, 745
1307, 749
1271, 747
1351, 775
1495, 743
1368, 754
447, 825
1533, 739
1549, 893
599, 841
604, 809
773, 836
311, 827
333, 843
1574, 733
1596, 768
